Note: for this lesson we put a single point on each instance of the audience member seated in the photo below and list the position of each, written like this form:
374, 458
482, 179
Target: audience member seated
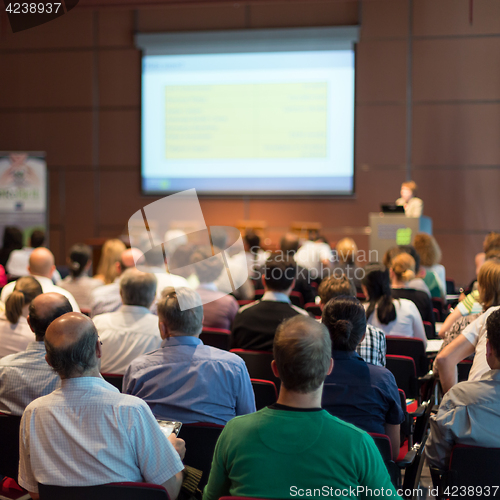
132, 330
315, 256
87, 432
12, 240
393, 316
26, 376
357, 392
401, 272
41, 267
345, 253
293, 446
430, 257
78, 282
416, 283
180, 261
185, 380
219, 309
373, 346
107, 298
472, 338
469, 413
255, 324
111, 253
15, 332
413, 206
256, 256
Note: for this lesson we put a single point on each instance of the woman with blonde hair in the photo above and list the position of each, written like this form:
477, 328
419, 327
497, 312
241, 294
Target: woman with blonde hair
402, 272
15, 332
430, 258
345, 252
111, 253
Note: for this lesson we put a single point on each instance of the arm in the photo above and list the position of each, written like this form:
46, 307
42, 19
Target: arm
218, 481
448, 359
173, 485
245, 397
418, 327
448, 323
440, 442
393, 431
33, 495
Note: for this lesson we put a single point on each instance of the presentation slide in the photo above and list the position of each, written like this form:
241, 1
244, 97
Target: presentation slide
249, 123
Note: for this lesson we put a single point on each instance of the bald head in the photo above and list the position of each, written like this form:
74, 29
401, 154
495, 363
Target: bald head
289, 244
41, 262
129, 257
72, 346
302, 352
44, 309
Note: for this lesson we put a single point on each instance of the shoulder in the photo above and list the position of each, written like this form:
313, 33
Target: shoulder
218, 355
299, 310
248, 307
373, 331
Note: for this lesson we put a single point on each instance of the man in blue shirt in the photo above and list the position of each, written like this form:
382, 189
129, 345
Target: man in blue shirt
186, 380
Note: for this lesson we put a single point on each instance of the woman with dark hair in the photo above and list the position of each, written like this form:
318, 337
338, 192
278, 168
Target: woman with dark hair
78, 282
15, 333
362, 394
393, 316
12, 240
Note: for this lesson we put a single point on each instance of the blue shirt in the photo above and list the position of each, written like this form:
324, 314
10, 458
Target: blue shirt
362, 394
190, 382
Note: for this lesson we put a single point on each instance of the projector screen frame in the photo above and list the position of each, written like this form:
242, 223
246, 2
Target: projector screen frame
350, 32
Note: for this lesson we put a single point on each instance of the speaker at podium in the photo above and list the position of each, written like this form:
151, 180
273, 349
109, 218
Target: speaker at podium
390, 229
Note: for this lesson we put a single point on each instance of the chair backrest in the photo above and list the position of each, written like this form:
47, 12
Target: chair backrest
438, 303
464, 369
111, 491
313, 309
265, 393
258, 364
259, 293
200, 445
405, 373
430, 330
383, 444
296, 299
412, 347
216, 337
9, 439
114, 379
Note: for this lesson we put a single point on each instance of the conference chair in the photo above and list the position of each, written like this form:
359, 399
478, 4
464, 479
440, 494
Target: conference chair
265, 392
464, 368
430, 330
296, 299
114, 379
200, 439
404, 371
258, 364
313, 309
472, 473
439, 304
216, 337
10, 490
412, 347
111, 491
9, 445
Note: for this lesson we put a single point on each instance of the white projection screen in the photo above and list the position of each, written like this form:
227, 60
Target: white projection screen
255, 112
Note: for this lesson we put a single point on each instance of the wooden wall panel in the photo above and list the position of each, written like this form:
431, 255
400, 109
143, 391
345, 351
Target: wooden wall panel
384, 19
116, 28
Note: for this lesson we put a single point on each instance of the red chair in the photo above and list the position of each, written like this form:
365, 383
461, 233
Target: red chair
114, 379
258, 364
405, 373
9, 489
259, 293
244, 302
430, 330
313, 309
216, 337
265, 393
9, 437
296, 299
412, 347
111, 491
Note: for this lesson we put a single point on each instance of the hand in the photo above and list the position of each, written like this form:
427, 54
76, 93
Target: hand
178, 444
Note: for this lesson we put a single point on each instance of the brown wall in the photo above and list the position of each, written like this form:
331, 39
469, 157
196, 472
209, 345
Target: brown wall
72, 88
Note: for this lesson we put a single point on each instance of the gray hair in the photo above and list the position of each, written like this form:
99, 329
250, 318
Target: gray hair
181, 308
137, 288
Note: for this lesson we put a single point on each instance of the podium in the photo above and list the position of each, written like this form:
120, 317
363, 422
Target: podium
388, 230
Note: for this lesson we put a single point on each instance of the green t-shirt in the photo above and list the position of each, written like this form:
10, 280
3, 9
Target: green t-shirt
433, 285
296, 454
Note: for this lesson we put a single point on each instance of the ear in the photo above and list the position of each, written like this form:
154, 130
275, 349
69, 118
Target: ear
28, 319
321, 305
274, 368
98, 349
47, 359
52, 270
118, 268
331, 367
164, 331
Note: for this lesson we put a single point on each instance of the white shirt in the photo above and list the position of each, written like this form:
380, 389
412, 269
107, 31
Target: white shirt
88, 433
47, 287
475, 333
311, 255
408, 322
18, 263
14, 338
105, 299
125, 334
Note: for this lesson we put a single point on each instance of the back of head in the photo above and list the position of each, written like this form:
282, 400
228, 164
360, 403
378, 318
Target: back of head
252, 240
378, 286
180, 261
79, 256
428, 249
181, 308
302, 352
25, 290
289, 244
279, 272
207, 266
345, 319
41, 262
218, 235
46, 308
12, 238
37, 238
137, 288
403, 266
492, 241
410, 249
488, 280
111, 254
70, 342
493, 332
332, 286
346, 250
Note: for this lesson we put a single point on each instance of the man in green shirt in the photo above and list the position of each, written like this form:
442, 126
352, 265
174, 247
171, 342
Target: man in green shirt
294, 448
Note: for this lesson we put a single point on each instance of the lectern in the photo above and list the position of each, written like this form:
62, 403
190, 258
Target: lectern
388, 230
